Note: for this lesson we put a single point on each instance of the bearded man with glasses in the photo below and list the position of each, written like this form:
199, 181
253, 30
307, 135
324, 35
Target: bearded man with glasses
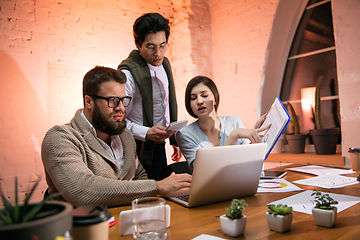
92, 160
150, 84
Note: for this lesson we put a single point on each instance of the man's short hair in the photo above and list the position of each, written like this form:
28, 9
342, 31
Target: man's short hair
96, 76
150, 23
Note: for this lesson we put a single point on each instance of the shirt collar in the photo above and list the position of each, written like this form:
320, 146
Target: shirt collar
153, 68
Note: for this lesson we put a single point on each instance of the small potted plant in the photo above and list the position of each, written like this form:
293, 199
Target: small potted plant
279, 217
323, 213
324, 139
44, 220
233, 223
296, 141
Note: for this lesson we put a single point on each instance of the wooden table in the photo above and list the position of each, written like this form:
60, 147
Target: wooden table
188, 223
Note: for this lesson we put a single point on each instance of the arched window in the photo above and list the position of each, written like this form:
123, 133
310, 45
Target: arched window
312, 54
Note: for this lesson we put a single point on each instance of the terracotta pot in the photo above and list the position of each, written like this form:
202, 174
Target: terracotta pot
325, 140
233, 228
279, 223
45, 228
296, 143
323, 217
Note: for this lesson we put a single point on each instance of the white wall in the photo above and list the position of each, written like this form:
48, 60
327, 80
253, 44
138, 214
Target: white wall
346, 21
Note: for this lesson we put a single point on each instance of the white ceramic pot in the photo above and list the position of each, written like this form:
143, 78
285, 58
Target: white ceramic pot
279, 223
323, 217
233, 228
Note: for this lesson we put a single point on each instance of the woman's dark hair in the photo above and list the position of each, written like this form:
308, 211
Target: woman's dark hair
150, 23
96, 76
194, 82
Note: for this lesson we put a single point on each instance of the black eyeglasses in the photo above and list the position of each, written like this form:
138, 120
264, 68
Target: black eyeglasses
151, 48
113, 102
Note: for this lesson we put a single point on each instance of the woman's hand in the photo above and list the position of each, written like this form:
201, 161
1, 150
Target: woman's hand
252, 134
260, 121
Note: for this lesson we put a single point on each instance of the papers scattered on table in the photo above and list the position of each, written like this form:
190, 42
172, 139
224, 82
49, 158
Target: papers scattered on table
328, 177
207, 237
319, 170
304, 202
329, 180
276, 185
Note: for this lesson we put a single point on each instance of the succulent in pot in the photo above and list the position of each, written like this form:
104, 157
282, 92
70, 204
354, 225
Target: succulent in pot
324, 214
279, 217
233, 223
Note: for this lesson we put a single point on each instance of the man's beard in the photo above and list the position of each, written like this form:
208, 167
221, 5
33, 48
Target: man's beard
105, 125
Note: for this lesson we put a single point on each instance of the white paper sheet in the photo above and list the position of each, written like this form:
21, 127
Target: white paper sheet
207, 237
304, 202
319, 170
276, 185
328, 180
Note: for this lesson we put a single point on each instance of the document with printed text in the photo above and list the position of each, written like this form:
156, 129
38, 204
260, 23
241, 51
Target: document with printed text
279, 118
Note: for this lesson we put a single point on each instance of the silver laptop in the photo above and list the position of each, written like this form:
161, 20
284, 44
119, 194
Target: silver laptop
223, 173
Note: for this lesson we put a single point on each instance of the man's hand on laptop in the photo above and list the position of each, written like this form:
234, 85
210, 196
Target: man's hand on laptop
173, 183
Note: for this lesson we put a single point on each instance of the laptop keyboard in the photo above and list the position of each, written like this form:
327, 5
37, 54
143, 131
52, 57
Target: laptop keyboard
184, 198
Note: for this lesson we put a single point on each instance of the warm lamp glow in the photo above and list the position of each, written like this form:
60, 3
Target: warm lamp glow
307, 105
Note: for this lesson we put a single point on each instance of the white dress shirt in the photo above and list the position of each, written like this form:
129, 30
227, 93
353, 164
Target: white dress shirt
134, 112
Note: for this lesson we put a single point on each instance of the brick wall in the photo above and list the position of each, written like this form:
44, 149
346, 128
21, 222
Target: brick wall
46, 47
240, 33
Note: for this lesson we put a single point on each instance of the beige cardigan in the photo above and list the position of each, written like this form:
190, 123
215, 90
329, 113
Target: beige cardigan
78, 167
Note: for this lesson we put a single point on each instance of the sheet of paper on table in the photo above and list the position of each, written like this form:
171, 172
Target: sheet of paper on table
319, 170
328, 180
304, 202
276, 185
207, 237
